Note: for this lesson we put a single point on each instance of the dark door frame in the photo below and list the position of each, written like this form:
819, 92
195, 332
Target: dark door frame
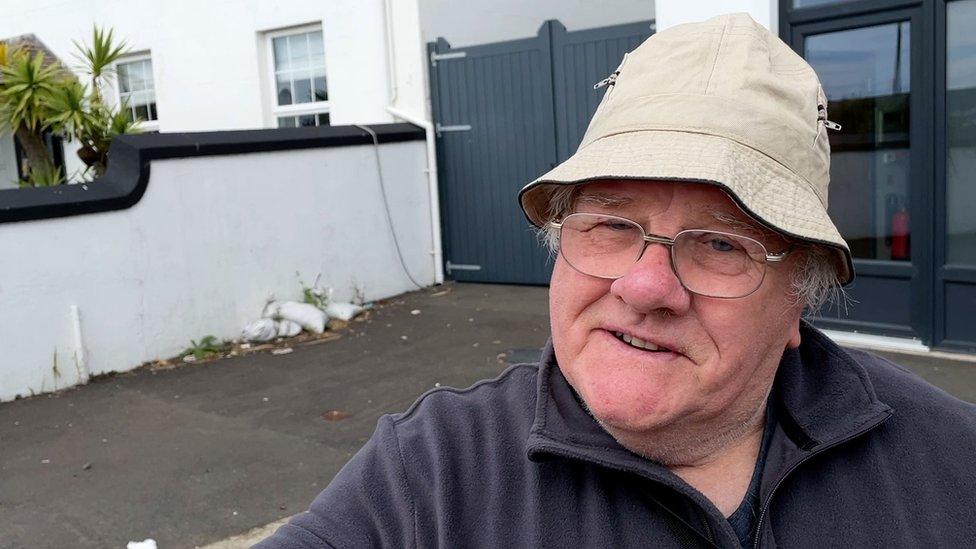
944, 272
795, 26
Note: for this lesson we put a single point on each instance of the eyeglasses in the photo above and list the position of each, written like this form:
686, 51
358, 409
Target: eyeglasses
708, 263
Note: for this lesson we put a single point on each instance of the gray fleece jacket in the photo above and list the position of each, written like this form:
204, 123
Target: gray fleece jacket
864, 454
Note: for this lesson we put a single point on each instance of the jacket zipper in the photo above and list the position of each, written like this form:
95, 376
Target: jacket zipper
779, 482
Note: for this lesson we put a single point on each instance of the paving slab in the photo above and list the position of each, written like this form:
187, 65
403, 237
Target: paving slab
202, 453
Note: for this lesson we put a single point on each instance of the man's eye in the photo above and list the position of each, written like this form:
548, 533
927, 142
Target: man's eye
721, 245
616, 225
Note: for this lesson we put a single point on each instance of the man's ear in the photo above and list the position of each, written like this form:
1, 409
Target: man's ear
794, 340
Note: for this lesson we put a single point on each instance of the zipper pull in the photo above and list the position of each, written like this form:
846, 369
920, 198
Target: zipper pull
608, 81
822, 116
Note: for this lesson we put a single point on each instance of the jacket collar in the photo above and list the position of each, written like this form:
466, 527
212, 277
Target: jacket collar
823, 395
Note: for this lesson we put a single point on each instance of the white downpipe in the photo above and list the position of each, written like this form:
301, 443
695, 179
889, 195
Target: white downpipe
80, 361
432, 189
432, 182
390, 52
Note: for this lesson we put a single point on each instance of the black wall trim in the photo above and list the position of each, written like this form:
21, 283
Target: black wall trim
125, 182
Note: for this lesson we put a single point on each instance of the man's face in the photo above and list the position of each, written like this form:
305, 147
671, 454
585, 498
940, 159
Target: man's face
721, 354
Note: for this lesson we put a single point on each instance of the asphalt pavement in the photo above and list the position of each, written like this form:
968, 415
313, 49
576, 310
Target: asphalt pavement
200, 453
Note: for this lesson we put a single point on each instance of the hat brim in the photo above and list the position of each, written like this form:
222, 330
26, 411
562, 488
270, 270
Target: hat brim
765, 189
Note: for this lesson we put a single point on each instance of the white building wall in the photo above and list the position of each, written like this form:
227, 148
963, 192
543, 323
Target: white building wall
209, 58
465, 23
211, 238
676, 12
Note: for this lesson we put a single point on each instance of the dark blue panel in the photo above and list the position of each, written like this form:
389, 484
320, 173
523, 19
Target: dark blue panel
518, 105
503, 92
862, 312
960, 315
580, 59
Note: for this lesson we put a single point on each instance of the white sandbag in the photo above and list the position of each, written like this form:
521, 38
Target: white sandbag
307, 316
287, 328
343, 311
265, 329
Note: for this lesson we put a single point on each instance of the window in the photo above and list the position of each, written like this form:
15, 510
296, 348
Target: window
297, 59
137, 89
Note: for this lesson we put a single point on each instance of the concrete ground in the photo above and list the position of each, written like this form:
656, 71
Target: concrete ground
202, 453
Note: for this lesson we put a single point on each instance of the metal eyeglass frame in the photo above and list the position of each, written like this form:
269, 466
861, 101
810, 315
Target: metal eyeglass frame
650, 238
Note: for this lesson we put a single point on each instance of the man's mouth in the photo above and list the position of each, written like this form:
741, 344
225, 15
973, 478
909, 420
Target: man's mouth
639, 343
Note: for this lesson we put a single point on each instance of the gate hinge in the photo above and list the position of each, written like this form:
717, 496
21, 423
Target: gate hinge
460, 267
435, 57
455, 128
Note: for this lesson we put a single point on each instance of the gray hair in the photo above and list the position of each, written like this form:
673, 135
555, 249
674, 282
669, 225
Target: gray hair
815, 278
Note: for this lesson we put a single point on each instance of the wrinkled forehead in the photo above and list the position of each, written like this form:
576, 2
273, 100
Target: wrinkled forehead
646, 200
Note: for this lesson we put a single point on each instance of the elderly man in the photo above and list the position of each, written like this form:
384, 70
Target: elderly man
682, 401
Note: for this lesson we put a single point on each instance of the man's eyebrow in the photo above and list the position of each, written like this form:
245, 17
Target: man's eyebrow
603, 199
737, 224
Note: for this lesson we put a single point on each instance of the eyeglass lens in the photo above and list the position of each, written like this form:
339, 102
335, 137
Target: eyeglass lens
711, 263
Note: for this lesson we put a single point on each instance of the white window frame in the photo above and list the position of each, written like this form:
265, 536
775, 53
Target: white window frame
315, 107
144, 125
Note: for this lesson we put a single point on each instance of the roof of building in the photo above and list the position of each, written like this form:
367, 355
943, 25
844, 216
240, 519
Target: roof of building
33, 44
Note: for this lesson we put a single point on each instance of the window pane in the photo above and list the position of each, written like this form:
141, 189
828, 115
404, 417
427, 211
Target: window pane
284, 89
866, 75
281, 59
319, 88
303, 89
136, 78
306, 120
286, 121
136, 89
142, 112
132, 75
147, 73
123, 72
323, 119
139, 98
961, 126
316, 49
298, 47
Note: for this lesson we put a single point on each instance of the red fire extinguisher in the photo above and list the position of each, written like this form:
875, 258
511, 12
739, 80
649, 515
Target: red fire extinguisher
900, 234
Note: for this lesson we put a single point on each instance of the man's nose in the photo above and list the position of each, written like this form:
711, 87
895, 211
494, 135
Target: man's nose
652, 285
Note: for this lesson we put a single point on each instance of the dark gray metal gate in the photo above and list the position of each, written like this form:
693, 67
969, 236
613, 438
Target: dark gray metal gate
505, 113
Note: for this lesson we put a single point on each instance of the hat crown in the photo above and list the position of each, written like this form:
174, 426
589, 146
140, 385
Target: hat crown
727, 77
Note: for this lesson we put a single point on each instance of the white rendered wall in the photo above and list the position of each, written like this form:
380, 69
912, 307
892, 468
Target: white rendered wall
465, 23
209, 58
409, 59
676, 12
209, 241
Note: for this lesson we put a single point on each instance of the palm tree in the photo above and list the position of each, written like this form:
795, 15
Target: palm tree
83, 113
26, 85
38, 94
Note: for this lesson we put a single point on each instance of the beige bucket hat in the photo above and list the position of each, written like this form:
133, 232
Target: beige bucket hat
723, 102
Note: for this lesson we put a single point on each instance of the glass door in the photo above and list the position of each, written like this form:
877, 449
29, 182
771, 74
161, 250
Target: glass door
955, 319
880, 197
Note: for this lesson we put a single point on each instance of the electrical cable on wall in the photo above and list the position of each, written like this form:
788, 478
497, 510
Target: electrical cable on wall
386, 204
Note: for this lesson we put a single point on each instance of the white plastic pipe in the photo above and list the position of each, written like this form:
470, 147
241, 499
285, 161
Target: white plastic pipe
390, 51
432, 189
80, 361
